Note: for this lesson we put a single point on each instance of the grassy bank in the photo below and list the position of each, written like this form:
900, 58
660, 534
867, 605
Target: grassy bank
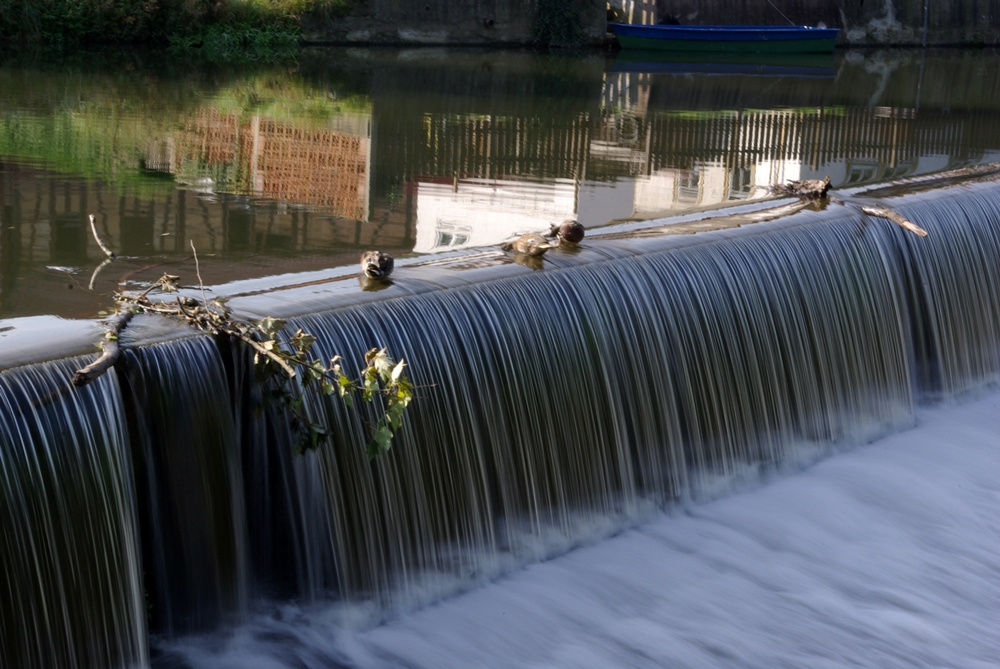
214, 29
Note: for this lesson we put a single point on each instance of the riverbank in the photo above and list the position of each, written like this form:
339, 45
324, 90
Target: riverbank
223, 30
272, 29
267, 30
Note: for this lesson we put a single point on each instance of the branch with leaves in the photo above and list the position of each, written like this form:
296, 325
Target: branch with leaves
277, 361
285, 366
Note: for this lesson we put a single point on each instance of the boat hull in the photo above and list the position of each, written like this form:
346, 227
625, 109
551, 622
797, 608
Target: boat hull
725, 39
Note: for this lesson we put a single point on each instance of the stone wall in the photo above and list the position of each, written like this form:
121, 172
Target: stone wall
486, 22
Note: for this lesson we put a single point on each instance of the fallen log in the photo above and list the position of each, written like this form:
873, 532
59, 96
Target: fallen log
895, 217
111, 349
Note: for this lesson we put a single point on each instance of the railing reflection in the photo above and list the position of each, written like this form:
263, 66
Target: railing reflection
682, 159
482, 212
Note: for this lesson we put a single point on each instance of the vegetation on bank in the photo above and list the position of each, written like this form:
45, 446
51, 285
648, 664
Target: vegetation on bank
213, 29
102, 125
557, 23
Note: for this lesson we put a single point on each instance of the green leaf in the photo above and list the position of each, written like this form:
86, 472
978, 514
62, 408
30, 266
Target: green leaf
343, 385
317, 433
394, 414
380, 443
303, 342
397, 371
270, 326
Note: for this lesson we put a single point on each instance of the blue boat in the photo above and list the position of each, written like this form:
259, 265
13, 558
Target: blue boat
726, 39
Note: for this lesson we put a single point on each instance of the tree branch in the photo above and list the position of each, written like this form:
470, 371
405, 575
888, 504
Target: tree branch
896, 218
111, 350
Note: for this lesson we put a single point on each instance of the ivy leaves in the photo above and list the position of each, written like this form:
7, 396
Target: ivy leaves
287, 369
385, 377
382, 377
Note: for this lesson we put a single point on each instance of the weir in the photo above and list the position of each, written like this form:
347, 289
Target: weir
555, 406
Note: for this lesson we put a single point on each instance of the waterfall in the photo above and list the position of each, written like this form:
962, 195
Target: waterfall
952, 285
70, 579
189, 481
554, 400
552, 406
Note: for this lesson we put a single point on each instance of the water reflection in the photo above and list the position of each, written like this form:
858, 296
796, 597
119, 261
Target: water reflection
424, 151
484, 212
325, 165
683, 159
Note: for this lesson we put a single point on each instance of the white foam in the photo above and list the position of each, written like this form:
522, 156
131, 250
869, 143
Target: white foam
886, 556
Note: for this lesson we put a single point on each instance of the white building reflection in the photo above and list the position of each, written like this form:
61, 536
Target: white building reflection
484, 212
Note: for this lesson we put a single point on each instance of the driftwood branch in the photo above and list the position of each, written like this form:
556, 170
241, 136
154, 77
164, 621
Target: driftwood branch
895, 217
100, 242
206, 320
381, 376
809, 189
197, 269
111, 350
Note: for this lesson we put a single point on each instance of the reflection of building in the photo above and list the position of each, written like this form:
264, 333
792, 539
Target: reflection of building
483, 212
703, 185
327, 165
466, 179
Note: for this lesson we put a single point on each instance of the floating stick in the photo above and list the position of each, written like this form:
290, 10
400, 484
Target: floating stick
896, 218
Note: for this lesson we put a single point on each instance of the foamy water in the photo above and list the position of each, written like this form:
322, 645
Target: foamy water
885, 556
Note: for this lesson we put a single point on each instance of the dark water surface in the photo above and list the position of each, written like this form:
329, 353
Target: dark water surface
301, 167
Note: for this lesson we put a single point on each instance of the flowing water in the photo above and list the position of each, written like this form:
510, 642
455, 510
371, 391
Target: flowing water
557, 403
71, 586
